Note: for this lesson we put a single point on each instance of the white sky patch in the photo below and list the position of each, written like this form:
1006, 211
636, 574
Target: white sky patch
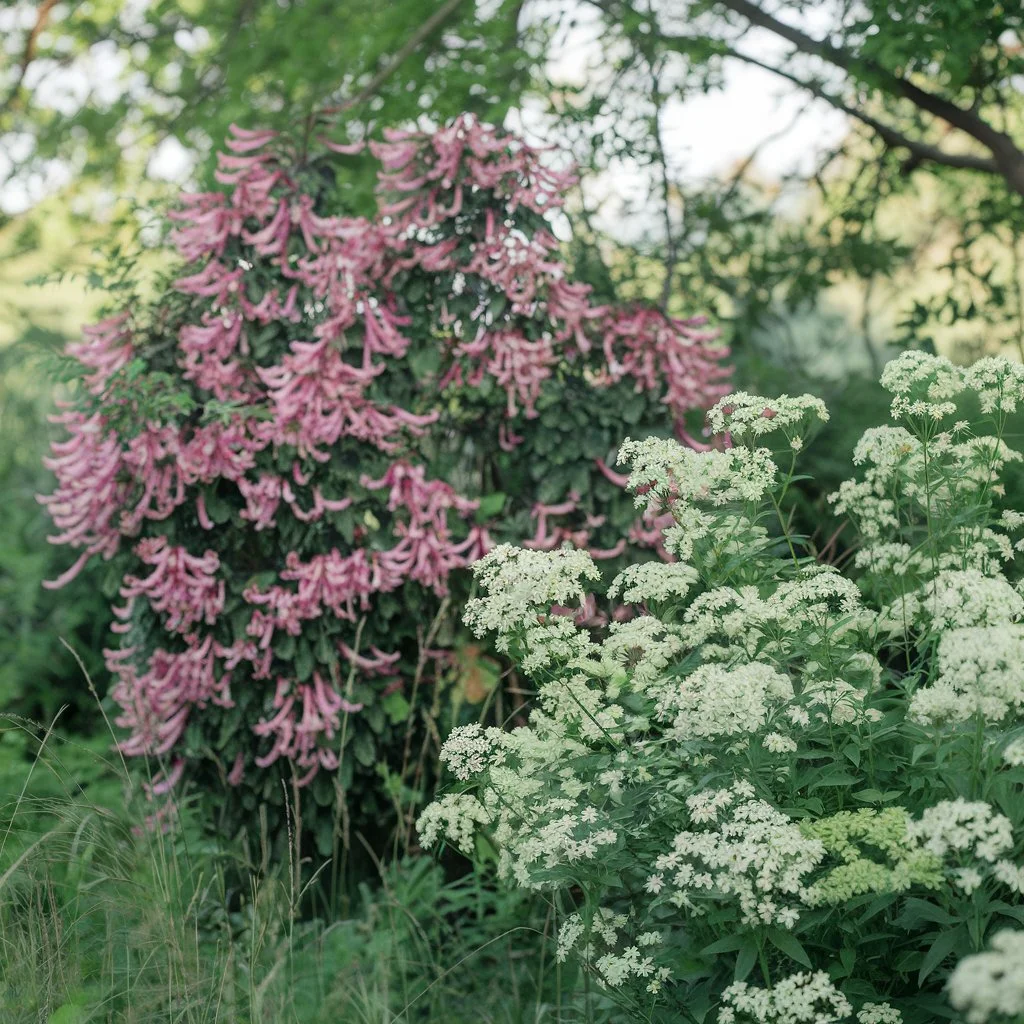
171, 161
706, 136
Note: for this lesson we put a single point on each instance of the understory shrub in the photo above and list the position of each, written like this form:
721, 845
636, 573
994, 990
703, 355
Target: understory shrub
778, 793
289, 455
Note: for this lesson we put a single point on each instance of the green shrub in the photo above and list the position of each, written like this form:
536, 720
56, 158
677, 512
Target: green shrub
289, 456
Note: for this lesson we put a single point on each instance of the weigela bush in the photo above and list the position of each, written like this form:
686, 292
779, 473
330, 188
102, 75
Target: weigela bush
778, 793
288, 455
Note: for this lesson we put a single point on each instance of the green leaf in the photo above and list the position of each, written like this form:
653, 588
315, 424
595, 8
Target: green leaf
916, 910
786, 942
425, 362
216, 507
362, 747
943, 945
869, 796
303, 660
490, 506
746, 960
847, 957
727, 945
396, 707
834, 778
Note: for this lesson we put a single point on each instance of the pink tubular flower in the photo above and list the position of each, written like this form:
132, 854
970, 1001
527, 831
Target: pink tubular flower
207, 224
520, 366
237, 772
152, 461
218, 451
164, 782
90, 491
105, 349
262, 498
657, 350
377, 664
317, 398
425, 500
507, 440
213, 281
182, 587
619, 479
208, 352
156, 705
305, 715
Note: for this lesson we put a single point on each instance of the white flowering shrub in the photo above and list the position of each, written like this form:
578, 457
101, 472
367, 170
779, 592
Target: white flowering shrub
774, 792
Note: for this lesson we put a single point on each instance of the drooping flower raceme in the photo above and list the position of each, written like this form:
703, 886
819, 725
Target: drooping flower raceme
290, 454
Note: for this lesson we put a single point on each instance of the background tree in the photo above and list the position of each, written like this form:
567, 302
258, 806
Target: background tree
932, 94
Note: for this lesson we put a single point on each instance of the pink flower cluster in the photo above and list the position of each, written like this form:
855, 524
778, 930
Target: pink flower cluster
326, 294
305, 716
156, 704
183, 588
656, 351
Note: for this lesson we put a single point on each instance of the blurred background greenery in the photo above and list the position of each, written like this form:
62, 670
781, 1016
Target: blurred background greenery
832, 180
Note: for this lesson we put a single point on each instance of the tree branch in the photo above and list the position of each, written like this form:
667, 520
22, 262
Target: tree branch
1008, 159
28, 54
921, 151
407, 49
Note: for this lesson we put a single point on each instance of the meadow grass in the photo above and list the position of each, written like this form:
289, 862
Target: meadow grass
104, 917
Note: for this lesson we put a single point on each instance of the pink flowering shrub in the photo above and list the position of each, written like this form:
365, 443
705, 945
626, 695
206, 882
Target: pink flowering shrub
289, 457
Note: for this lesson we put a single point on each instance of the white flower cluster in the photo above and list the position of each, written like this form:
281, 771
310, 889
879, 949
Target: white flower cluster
819, 593
456, 818
670, 767
1013, 753
725, 618
614, 967
651, 582
878, 1013
715, 701
979, 674
564, 838
818, 604
668, 470
924, 386
963, 828
998, 383
469, 749
752, 855
748, 417
803, 998
989, 986
521, 584
956, 599
642, 647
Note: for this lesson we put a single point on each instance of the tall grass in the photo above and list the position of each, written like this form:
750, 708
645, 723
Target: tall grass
108, 916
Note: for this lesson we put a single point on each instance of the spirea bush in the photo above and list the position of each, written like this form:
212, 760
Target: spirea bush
778, 793
291, 452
